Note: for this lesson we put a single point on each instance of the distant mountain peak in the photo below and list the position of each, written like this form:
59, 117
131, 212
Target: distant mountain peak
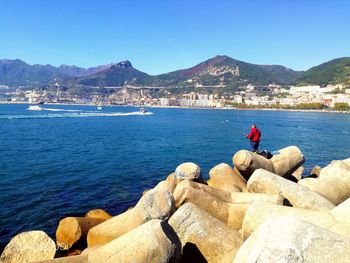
121, 65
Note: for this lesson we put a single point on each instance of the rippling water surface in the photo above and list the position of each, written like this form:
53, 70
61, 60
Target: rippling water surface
66, 160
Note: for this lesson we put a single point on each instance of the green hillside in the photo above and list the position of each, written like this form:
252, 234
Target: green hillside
223, 70
332, 72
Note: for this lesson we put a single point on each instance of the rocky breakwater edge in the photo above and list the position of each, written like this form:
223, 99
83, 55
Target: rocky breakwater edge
262, 210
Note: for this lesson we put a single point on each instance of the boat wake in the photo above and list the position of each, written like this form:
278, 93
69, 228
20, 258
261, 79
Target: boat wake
39, 108
53, 109
74, 115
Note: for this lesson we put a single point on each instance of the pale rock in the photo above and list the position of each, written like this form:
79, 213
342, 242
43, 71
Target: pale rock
287, 160
223, 177
70, 259
31, 246
189, 171
288, 239
263, 181
99, 214
155, 204
333, 182
298, 173
154, 241
231, 214
342, 211
165, 185
229, 197
284, 163
247, 162
216, 241
258, 213
316, 171
71, 229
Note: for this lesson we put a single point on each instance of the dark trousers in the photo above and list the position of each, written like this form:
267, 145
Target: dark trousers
254, 146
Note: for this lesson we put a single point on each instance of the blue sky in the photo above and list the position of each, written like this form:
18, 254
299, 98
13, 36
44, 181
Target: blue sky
159, 36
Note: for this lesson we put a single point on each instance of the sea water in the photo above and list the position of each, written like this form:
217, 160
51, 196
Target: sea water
67, 160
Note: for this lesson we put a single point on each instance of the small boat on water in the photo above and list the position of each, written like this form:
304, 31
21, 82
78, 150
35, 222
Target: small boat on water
143, 111
99, 108
35, 107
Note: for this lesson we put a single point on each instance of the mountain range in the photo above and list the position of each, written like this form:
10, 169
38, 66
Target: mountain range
217, 71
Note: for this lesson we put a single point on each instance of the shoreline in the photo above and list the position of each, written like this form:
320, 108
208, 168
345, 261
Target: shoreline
246, 109
180, 107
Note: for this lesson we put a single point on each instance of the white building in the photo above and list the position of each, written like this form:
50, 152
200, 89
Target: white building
340, 99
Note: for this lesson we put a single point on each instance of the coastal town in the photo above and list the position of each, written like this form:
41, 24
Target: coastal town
269, 96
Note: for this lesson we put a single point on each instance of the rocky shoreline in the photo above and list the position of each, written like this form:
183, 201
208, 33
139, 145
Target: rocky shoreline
259, 210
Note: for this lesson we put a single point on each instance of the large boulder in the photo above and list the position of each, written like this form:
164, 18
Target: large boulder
258, 213
333, 182
263, 181
216, 241
72, 229
31, 246
155, 204
190, 171
223, 177
154, 241
288, 239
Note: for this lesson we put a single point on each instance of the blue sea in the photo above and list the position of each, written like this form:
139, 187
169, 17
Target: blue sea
67, 160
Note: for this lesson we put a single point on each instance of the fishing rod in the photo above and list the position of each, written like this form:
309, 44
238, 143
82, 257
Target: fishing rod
239, 131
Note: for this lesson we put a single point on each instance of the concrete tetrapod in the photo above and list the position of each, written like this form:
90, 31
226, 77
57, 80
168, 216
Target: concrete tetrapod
247, 162
31, 246
263, 181
197, 229
154, 241
287, 160
288, 239
230, 197
189, 171
70, 259
153, 205
223, 177
98, 213
231, 214
166, 185
342, 211
284, 164
258, 213
333, 182
72, 229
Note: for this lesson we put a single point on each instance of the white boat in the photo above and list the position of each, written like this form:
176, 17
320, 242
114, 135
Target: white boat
35, 107
99, 108
143, 111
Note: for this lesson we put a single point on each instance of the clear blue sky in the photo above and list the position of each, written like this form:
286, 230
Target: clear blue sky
159, 36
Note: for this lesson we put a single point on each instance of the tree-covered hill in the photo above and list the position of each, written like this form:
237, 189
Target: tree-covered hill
332, 72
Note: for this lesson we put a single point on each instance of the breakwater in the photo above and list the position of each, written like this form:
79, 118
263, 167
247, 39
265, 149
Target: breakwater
254, 210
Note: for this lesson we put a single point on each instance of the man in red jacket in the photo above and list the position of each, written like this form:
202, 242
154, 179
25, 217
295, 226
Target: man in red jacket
254, 137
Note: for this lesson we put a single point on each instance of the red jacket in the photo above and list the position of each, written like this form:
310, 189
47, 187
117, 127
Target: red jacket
254, 135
